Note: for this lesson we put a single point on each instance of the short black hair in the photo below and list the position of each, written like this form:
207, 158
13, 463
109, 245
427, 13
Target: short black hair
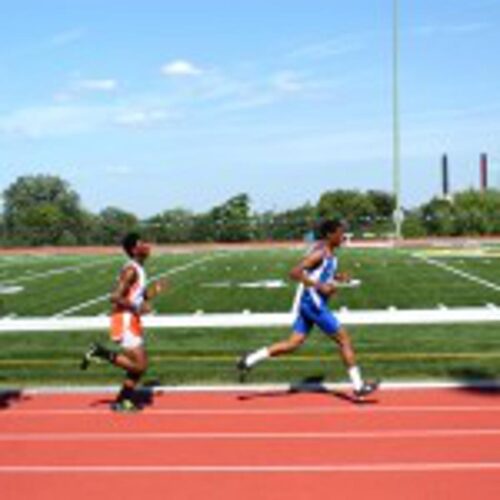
329, 226
129, 242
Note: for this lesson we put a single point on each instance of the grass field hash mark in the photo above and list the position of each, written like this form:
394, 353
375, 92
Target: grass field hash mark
53, 272
170, 272
458, 272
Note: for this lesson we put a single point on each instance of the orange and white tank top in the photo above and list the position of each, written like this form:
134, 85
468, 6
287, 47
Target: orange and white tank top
138, 290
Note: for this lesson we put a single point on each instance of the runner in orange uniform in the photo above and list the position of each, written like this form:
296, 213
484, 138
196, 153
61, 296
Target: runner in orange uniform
130, 301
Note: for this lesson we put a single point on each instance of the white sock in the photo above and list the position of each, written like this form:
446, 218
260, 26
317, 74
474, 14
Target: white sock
257, 356
355, 376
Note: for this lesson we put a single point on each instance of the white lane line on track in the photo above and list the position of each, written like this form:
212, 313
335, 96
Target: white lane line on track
248, 436
458, 272
296, 411
256, 469
170, 272
354, 410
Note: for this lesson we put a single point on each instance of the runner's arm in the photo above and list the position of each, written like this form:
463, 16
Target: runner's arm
156, 288
119, 294
298, 273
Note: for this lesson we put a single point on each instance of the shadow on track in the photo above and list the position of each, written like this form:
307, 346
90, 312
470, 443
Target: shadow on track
310, 385
144, 396
478, 381
10, 396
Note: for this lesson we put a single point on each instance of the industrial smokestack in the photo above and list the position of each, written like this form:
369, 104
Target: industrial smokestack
445, 176
483, 167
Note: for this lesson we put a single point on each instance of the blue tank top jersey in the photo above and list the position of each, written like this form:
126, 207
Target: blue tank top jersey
324, 272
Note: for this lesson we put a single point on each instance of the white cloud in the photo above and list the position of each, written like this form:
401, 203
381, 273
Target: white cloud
259, 92
67, 37
181, 67
62, 97
81, 86
140, 117
118, 170
65, 118
105, 85
57, 120
250, 101
287, 81
225, 92
449, 29
329, 48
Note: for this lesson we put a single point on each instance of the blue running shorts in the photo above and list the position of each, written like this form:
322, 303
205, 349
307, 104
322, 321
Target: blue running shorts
310, 315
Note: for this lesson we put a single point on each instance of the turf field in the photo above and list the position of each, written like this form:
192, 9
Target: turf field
233, 281
207, 356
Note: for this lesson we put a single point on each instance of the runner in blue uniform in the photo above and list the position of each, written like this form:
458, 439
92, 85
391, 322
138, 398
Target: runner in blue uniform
317, 275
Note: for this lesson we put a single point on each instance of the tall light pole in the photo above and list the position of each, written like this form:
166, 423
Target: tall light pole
396, 142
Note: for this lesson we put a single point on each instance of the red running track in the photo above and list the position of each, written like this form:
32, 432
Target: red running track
408, 445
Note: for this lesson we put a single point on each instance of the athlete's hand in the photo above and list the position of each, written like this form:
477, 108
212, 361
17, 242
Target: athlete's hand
156, 288
326, 289
343, 277
159, 286
145, 308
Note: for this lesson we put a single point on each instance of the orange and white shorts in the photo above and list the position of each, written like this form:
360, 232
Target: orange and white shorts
127, 330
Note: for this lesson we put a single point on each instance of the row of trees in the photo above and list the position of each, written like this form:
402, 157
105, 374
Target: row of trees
234, 220
45, 210
468, 213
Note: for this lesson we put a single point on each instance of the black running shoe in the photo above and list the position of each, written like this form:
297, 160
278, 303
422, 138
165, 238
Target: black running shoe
242, 367
366, 389
125, 406
95, 353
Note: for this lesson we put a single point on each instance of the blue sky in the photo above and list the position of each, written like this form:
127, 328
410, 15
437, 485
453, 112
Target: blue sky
155, 104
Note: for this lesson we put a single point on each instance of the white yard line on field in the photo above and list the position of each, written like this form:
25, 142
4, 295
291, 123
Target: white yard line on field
52, 272
20, 260
458, 272
101, 298
7, 265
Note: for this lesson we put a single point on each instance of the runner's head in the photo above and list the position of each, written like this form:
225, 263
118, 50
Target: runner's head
332, 231
135, 248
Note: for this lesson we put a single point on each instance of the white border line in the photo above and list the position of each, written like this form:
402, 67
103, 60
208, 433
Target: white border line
252, 469
489, 314
261, 388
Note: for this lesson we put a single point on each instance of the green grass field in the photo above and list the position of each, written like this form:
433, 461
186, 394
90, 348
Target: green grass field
228, 282
208, 356
215, 282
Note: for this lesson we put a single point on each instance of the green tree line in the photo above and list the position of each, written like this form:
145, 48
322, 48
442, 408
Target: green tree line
45, 210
